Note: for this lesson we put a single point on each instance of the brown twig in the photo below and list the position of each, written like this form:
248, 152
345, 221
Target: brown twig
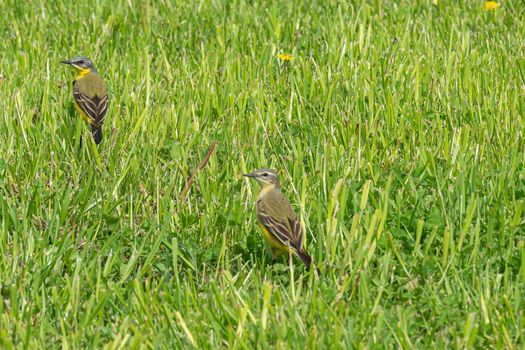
202, 164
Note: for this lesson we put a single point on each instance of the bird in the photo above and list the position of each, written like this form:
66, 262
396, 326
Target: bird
90, 94
277, 219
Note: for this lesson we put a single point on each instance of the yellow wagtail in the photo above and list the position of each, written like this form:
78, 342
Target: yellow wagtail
277, 219
90, 93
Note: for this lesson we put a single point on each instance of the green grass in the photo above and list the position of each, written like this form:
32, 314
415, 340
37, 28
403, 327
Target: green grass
398, 131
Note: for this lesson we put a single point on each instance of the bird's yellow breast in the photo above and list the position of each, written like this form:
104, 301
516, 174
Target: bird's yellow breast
83, 114
272, 241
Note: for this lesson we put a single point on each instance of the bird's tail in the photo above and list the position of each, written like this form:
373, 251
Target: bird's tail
305, 257
96, 131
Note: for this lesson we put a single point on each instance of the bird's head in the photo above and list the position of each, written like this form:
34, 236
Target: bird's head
81, 64
265, 177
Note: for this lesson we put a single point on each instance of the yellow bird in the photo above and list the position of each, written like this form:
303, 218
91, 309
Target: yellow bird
90, 93
277, 219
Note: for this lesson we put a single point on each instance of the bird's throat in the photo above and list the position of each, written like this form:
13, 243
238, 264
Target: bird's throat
82, 72
266, 189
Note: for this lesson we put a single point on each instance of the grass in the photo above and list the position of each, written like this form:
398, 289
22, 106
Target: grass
398, 131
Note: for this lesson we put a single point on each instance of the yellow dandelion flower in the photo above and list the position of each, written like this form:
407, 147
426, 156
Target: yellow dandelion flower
285, 57
490, 5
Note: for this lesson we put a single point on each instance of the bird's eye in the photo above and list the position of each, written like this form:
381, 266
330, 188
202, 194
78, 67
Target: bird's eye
265, 174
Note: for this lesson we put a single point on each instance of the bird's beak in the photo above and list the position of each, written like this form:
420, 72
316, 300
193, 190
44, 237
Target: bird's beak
66, 62
249, 175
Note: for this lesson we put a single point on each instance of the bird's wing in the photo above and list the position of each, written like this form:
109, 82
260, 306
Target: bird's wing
297, 232
282, 224
94, 106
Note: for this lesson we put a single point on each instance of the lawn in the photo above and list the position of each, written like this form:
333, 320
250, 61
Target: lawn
397, 130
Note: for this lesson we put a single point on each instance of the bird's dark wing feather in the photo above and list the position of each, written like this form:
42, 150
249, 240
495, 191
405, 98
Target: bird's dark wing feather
95, 106
297, 232
286, 229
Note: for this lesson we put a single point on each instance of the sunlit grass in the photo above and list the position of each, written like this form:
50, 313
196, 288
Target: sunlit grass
397, 130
